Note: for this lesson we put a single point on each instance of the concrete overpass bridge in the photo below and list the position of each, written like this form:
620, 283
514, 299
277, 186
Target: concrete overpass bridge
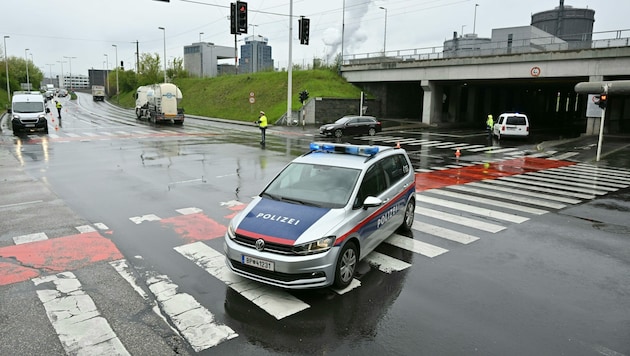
463, 90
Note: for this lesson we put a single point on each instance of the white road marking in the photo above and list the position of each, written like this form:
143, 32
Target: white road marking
574, 178
274, 301
85, 229
70, 134
523, 185
487, 184
386, 263
101, 226
569, 185
188, 211
24, 239
79, 325
444, 233
460, 220
477, 199
416, 246
518, 198
194, 322
472, 209
529, 181
569, 171
140, 219
563, 156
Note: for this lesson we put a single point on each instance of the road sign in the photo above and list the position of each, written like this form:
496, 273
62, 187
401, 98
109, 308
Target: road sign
251, 93
252, 100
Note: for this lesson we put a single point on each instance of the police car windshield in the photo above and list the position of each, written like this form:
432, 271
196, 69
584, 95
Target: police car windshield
28, 107
313, 184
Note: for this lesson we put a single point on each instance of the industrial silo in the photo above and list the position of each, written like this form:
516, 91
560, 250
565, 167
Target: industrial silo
571, 24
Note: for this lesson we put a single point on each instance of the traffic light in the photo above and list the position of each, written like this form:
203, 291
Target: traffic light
303, 96
304, 25
241, 17
233, 29
603, 99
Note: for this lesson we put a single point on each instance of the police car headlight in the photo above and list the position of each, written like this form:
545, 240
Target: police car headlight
231, 232
322, 245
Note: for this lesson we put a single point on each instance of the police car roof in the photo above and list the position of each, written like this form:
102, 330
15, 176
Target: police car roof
339, 159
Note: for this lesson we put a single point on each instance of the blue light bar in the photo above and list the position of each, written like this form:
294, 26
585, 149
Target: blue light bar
344, 148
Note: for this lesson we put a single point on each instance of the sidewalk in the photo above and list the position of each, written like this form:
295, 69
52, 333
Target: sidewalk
615, 149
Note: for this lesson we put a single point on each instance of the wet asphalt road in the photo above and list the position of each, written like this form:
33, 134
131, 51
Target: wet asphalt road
557, 283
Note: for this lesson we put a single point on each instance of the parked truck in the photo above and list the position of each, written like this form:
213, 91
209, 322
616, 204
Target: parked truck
159, 103
98, 92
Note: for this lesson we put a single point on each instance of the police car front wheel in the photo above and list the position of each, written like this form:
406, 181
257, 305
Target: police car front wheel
346, 265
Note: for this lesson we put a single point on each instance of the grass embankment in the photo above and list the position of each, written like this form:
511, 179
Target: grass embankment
227, 97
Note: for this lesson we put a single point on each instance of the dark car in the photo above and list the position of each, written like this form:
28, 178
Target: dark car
352, 125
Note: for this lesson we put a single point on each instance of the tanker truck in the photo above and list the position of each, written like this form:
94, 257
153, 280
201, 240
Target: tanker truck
159, 103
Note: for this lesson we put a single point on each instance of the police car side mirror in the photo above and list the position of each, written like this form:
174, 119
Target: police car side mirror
47, 110
371, 202
8, 110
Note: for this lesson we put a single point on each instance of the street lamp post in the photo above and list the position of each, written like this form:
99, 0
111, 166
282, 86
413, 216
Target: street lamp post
384, 32
6, 65
62, 83
70, 75
28, 83
164, 30
117, 96
106, 76
475, 20
50, 71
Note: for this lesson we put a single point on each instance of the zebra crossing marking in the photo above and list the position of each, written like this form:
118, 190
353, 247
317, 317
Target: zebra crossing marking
416, 246
564, 156
501, 204
472, 209
519, 197
24, 239
567, 172
194, 322
505, 187
386, 263
444, 233
580, 179
274, 301
597, 190
460, 220
584, 193
74, 316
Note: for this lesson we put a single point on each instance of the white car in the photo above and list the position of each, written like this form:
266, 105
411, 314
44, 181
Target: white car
511, 125
322, 214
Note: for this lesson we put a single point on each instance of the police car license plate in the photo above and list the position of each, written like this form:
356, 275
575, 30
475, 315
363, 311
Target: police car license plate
29, 125
256, 262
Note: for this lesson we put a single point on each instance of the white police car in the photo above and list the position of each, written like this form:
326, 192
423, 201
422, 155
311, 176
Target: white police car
321, 214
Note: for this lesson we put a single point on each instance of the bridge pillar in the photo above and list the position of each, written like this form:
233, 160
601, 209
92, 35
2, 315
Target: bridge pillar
431, 102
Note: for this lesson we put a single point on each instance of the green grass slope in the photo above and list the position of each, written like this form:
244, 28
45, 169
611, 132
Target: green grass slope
227, 97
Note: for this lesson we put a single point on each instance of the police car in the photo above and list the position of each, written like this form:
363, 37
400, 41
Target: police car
323, 213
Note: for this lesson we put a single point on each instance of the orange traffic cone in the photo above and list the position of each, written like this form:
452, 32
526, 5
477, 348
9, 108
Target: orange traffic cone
457, 153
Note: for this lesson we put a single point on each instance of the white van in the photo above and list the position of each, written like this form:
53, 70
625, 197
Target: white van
28, 112
511, 124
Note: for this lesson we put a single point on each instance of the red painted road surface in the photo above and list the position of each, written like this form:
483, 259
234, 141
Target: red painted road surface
463, 175
22, 262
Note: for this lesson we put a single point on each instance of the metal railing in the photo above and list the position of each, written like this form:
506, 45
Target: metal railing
594, 40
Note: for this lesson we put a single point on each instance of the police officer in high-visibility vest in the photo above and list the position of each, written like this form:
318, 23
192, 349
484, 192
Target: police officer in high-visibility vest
262, 124
58, 106
490, 125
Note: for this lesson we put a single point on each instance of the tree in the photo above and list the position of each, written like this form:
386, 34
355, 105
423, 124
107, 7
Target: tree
177, 69
150, 72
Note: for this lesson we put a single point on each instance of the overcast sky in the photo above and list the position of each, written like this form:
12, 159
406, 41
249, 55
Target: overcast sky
87, 29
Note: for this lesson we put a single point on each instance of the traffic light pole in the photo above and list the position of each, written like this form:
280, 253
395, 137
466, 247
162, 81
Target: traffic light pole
290, 67
601, 126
